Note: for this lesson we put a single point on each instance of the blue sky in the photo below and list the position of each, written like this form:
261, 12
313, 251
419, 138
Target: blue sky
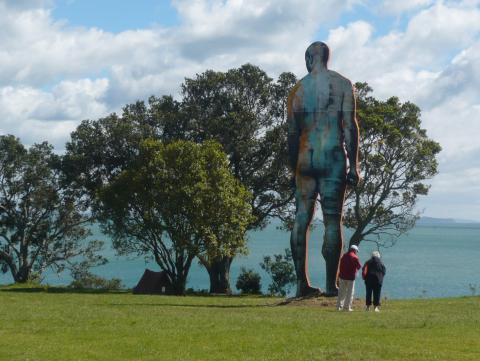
62, 61
116, 16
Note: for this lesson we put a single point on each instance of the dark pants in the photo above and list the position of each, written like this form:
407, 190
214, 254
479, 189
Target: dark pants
375, 289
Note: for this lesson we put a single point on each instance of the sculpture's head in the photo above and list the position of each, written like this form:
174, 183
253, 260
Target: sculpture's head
317, 53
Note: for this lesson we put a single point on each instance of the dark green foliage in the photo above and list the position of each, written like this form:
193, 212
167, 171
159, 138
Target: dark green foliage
83, 279
42, 219
396, 157
248, 281
282, 272
176, 202
90, 281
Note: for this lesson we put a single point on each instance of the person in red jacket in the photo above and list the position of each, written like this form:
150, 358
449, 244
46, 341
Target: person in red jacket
349, 265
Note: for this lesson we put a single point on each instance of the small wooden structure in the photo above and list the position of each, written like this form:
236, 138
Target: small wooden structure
153, 283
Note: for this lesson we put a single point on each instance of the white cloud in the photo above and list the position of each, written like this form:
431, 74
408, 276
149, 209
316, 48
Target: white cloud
36, 115
211, 32
434, 62
397, 7
38, 50
25, 4
40, 53
53, 75
454, 194
431, 39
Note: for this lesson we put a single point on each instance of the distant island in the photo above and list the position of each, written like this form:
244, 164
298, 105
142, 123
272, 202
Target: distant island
434, 221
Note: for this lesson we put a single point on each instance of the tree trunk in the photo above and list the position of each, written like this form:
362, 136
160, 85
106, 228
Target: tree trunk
219, 273
178, 286
22, 275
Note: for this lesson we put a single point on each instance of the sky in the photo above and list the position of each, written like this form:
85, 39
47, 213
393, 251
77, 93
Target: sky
62, 61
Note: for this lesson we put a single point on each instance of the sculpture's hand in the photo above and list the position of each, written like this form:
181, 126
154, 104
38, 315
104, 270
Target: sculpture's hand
353, 177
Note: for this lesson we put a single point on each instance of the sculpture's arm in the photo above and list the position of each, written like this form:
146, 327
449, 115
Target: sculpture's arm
351, 132
293, 133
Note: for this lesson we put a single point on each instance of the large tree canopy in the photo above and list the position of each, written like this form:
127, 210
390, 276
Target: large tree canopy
243, 109
42, 220
396, 158
175, 202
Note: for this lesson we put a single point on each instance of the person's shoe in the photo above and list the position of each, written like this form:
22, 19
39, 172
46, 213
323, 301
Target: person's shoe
348, 309
367, 308
339, 308
377, 309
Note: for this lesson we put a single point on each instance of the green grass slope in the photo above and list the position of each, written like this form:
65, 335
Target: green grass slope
75, 326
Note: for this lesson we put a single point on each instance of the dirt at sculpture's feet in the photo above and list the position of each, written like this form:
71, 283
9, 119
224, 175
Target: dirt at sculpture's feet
321, 301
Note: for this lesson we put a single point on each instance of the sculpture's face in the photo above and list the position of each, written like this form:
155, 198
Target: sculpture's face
309, 60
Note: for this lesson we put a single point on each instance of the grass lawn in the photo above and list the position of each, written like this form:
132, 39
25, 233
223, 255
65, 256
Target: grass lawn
120, 326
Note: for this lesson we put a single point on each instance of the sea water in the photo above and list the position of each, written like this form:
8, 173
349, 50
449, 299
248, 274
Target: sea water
439, 260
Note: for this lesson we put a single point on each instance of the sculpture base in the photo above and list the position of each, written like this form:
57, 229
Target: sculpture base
309, 291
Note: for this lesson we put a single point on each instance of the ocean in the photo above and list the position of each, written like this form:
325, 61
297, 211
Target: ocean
431, 260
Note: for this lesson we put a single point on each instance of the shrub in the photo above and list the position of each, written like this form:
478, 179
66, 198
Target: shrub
193, 292
248, 281
87, 280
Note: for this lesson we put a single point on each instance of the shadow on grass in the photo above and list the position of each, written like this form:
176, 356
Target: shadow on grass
66, 290
46, 289
186, 305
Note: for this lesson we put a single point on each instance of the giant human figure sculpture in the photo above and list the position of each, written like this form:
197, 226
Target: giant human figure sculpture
323, 133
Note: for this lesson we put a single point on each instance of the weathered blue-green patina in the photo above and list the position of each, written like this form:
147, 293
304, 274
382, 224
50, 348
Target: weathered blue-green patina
323, 134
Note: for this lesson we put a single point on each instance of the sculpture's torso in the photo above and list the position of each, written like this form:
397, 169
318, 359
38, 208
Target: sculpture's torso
317, 106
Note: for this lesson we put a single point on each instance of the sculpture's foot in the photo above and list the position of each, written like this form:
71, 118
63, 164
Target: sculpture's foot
309, 291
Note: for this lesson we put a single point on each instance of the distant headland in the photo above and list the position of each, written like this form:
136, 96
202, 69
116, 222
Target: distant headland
433, 221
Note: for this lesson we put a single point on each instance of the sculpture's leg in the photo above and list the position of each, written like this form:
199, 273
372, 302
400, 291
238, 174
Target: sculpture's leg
331, 250
306, 195
332, 196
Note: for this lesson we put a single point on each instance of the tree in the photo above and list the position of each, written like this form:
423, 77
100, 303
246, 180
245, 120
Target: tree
175, 202
282, 272
244, 110
396, 157
42, 220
